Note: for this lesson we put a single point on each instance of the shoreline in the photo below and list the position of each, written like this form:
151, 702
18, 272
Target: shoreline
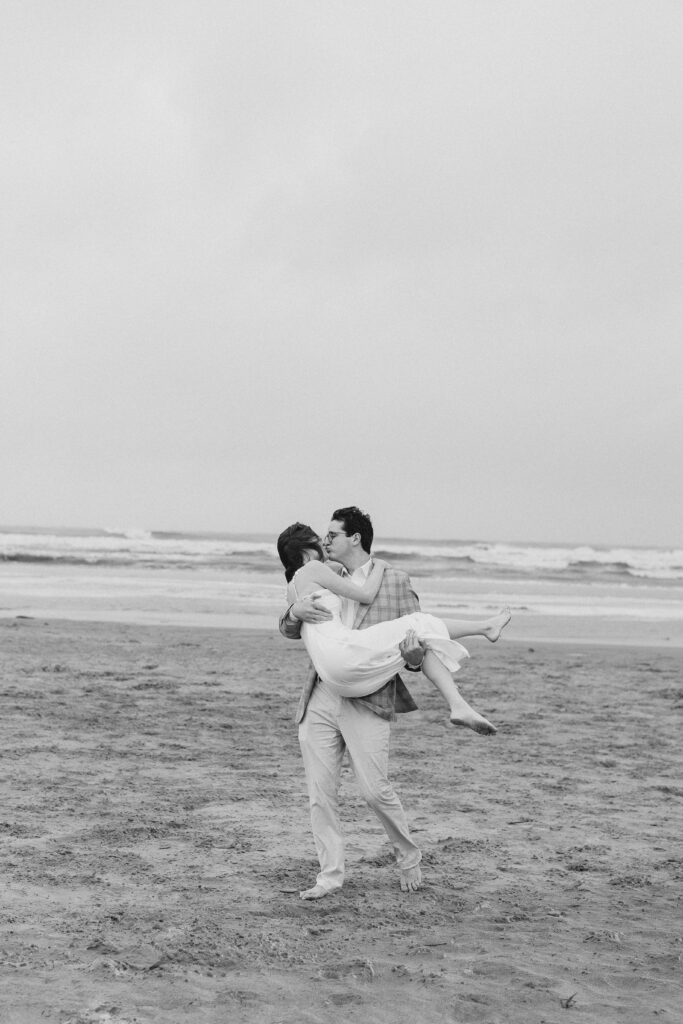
523, 629
573, 612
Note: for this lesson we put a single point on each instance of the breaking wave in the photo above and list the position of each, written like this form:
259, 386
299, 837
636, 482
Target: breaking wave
139, 547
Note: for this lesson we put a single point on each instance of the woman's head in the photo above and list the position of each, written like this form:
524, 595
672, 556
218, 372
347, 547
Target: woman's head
294, 546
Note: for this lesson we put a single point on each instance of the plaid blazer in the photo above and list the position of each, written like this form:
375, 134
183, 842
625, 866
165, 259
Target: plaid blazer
396, 597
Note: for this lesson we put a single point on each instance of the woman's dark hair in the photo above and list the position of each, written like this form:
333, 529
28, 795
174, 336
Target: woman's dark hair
356, 521
291, 545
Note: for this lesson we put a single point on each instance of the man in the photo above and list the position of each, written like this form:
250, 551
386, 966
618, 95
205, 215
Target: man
329, 725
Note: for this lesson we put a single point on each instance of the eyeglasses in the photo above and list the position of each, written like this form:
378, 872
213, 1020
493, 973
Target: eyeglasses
332, 534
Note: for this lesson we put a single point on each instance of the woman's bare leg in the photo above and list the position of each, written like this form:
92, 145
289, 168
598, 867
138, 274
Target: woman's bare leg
490, 628
461, 712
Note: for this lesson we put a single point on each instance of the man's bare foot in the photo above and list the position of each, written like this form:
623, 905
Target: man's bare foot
471, 719
411, 879
316, 893
497, 624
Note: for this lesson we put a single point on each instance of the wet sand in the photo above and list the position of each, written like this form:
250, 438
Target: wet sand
155, 836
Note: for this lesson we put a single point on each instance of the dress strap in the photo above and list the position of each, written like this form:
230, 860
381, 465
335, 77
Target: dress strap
295, 592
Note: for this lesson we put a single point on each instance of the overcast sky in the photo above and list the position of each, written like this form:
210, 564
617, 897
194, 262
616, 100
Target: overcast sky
263, 258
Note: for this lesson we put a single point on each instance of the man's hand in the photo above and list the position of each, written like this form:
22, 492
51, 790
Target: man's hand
308, 609
412, 650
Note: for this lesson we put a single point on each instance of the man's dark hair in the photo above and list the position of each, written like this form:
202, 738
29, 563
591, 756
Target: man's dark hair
291, 545
356, 521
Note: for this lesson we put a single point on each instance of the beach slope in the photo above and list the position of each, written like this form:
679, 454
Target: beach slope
155, 837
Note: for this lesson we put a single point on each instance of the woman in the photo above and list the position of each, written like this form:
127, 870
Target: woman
355, 663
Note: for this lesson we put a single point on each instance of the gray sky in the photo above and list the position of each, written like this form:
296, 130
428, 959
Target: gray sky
263, 258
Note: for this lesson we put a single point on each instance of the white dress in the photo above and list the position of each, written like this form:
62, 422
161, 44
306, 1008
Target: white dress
356, 662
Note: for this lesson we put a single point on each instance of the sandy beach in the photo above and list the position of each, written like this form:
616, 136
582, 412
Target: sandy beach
155, 837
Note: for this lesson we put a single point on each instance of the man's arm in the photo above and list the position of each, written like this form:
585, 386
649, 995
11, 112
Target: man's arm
410, 602
412, 650
289, 626
306, 609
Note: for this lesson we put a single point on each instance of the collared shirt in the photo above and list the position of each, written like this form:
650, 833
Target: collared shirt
349, 608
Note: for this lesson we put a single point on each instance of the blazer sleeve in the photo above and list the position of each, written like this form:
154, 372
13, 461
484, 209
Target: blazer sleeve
290, 630
410, 602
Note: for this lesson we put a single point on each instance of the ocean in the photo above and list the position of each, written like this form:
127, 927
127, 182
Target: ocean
569, 592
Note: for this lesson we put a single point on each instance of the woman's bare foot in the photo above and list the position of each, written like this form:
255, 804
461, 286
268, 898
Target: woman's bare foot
497, 624
316, 893
411, 879
471, 719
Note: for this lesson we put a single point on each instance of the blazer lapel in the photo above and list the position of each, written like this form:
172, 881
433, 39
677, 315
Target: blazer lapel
362, 609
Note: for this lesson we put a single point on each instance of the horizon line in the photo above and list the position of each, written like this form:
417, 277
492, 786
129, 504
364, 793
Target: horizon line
265, 534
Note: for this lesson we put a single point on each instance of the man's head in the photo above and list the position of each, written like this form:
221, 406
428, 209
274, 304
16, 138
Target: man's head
349, 537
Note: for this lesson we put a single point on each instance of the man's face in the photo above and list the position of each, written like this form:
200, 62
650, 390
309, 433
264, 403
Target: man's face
337, 545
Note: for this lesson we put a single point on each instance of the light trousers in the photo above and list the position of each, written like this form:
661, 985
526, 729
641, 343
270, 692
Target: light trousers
330, 726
